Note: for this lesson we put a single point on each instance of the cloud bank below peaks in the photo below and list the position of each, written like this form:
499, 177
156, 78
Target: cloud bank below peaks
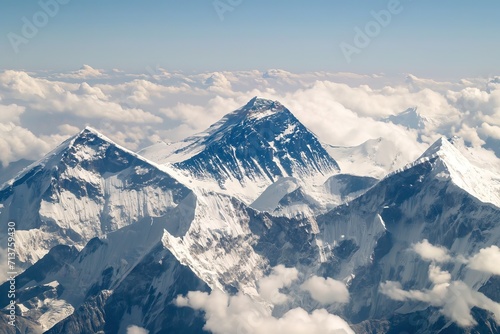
225, 314
454, 298
342, 109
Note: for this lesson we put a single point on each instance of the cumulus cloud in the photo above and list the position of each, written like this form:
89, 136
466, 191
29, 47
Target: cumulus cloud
195, 118
240, 314
17, 142
11, 113
81, 100
218, 83
430, 252
136, 330
85, 72
490, 130
68, 129
226, 314
174, 105
454, 298
470, 135
487, 260
326, 291
281, 277
415, 83
20, 84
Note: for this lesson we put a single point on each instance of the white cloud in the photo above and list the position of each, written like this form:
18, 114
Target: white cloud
69, 130
80, 100
218, 83
136, 330
196, 118
326, 291
430, 252
86, 89
454, 298
438, 276
17, 142
490, 130
241, 314
470, 135
11, 113
21, 85
269, 286
85, 72
174, 105
487, 260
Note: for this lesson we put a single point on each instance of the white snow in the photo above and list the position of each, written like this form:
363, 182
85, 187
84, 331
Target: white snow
269, 199
54, 312
375, 158
482, 184
219, 220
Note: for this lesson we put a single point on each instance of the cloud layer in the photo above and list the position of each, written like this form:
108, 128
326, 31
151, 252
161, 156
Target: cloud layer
237, 314
326, 290
139, 109
136, 330
454, 298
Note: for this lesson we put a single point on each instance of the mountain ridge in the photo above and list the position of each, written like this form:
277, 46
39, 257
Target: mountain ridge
158, 232
248, 150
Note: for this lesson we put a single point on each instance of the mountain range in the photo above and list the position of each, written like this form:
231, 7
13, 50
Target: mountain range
108, 239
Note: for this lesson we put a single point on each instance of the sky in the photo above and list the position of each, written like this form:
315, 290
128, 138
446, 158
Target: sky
439, 39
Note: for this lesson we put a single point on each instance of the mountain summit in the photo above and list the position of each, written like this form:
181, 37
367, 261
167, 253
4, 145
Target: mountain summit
449, 163
253, 146
85, 188
410, 118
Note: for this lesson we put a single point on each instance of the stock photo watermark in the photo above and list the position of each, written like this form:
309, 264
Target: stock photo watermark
11, 273
363, 36
223, 6
31, 26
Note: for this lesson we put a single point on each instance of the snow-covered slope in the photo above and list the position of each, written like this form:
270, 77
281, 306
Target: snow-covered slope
291, 197
368, 241
451, 164
479, 157
209, 240
375, 158
248, 150
14, 168
409, 118
103, 266
87, 187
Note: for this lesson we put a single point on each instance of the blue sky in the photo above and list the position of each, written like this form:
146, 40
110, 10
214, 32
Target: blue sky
428, 38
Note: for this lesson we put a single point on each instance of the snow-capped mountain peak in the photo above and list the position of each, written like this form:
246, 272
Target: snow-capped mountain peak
450, 163
258, 106
409, 118
375, 157
249, 149
85, 188
442, 148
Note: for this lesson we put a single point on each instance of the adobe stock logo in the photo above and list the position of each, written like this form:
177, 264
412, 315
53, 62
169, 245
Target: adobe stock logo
363, 37
31, 27
223, 6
